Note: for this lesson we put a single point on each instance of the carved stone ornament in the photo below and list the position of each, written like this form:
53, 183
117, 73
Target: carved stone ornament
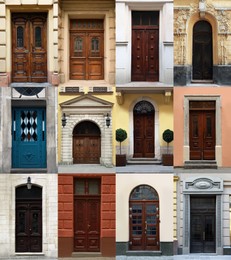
203, 185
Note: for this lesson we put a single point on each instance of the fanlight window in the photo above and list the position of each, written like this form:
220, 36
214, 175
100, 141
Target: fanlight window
144, 107
144, 192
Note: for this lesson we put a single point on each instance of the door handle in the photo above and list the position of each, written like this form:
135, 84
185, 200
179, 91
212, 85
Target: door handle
203, 235
146, 225
26, 51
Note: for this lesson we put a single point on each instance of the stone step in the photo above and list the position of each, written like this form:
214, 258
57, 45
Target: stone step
143, 161
143, 253
200, 164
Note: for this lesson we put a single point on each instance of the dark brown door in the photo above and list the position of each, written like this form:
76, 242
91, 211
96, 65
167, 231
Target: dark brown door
29, 47
202, 51
87, 224
145, 46
203, 235
144, 130
86, 49
86, 149
202, 135
28, 229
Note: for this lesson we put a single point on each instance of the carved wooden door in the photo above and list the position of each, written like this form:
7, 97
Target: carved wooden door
202, 135
86, 49
87, 224
144, 130
202, 51
203, 225
144, 219
145, 46
28, 219
29, 47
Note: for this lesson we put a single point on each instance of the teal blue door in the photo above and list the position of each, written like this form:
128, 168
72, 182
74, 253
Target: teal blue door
29, 138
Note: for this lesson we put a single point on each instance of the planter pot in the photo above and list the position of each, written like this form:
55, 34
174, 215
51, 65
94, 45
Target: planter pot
121, 160
167, 159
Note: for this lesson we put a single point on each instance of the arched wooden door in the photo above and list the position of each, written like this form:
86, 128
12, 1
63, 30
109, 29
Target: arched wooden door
28, 219
202, 51
144, 219
86, 143
144, 130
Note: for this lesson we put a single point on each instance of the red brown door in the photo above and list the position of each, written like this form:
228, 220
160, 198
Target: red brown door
144, 130
145, 46
86, 49
144, 219
87, 224
202, 51
202, 135
28, 219
29, 47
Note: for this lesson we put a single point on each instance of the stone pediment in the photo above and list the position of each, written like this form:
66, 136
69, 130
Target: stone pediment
86, 101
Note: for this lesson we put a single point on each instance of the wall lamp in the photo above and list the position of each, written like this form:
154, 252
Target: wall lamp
64, 120
108, 120
29, 184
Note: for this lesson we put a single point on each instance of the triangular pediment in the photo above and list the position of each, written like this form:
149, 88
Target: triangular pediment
86, 101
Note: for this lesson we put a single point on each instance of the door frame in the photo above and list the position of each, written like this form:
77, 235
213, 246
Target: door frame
156, 126
218, 143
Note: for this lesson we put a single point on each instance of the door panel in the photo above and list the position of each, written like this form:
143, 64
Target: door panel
202, 135
86, 149
144, 226
145, 55
29, 227
29, 47
202, 51
144, 135
203, 239
87, 224
29, 138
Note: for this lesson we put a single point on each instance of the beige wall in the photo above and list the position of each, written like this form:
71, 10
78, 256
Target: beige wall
163, 184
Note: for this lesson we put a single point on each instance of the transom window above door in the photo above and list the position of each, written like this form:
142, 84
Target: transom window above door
86, 49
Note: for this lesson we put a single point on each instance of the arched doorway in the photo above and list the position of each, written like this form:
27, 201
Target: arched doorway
86, 143
143, 113
28, 219
144, 219
202, 51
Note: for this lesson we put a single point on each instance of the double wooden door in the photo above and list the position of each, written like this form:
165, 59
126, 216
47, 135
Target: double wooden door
87, 224
202, 135
144, 225
202, 51
29, 47
29, 226
145, 54
203, 225
144, 135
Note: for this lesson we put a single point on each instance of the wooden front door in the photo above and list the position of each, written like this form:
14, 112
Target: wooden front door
203, 225
144, 219
202, 134
29, 47
202, 51
29, 219
86, 49
87, 215
86, 143
145, 46
144, 130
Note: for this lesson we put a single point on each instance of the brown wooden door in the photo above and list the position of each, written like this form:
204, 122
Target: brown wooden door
203, 225
86, 149
145, 46
144, 225
29, 226
87, 224
29, 47
86, 49
202, 135
144, 135
202, 51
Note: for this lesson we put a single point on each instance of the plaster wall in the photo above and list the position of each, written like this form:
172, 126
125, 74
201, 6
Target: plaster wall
222, 122
163, 184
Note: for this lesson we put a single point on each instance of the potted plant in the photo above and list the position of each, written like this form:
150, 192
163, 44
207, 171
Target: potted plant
167, 159
121, 135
